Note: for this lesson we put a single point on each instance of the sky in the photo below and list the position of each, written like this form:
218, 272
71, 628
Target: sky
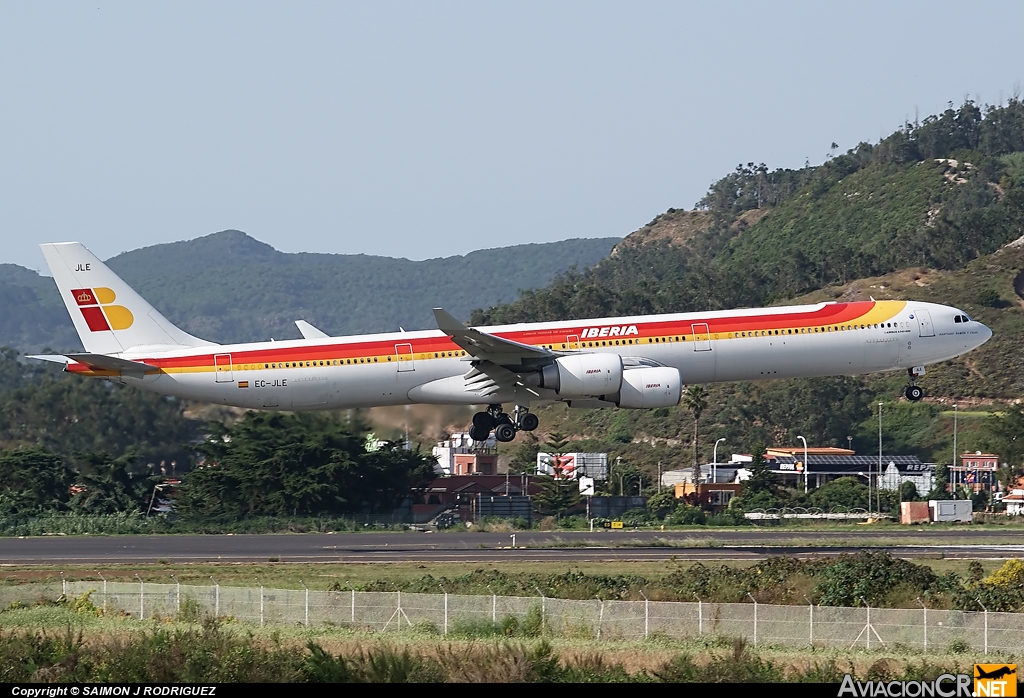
429, 129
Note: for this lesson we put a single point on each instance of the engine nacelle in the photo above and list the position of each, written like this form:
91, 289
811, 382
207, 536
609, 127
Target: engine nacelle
646, 388
582, 375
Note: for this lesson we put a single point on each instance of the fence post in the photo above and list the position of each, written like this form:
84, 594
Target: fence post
647, 613
63, 586
216, 597
986, 623
445, 609
307, 600
925, 626
755, 618
600, 616
543, 609
868, 626
261, 600
811, 639
700, 615
177, 595
104, 591
352, 619
142, 598
494, 604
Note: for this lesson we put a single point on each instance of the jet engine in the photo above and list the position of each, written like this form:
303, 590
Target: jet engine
645, 388
582, 375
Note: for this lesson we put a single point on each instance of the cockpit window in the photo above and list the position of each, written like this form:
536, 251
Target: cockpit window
957, 318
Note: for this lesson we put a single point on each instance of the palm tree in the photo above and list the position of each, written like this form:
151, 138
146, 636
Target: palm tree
696, 401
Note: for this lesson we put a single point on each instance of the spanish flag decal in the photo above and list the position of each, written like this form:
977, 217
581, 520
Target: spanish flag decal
243, 384
99, 314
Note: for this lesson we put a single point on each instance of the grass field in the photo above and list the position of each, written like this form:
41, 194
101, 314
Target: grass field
149, 650
325, 575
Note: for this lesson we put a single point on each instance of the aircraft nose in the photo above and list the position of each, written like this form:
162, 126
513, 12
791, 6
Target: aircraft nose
986, 334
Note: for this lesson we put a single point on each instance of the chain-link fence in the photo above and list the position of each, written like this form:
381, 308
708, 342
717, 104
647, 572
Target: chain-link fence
794, 626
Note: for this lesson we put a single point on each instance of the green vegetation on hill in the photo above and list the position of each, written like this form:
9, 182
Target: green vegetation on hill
776, 234
228, 287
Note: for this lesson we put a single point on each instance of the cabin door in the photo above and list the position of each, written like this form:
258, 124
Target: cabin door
403, 353
222, 368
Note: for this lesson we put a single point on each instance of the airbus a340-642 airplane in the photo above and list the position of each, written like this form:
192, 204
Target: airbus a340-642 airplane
630, 362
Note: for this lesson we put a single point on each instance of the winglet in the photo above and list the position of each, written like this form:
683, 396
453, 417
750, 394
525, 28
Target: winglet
308, 331
446, 322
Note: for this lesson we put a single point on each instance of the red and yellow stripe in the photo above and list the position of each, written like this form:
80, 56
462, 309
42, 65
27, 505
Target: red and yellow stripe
833, 317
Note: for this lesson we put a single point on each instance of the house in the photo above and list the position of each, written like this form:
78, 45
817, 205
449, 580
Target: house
708, 495
1014, 498
976, 470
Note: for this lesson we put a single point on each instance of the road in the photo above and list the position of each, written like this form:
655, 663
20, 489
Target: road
716, 544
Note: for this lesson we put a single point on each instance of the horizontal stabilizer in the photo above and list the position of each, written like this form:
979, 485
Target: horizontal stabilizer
101, 362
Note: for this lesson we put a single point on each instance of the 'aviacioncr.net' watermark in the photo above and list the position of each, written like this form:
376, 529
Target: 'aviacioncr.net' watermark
989, 680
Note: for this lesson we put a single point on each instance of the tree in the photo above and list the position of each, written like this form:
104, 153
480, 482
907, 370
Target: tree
33, 480
760, 479
524, 458
109, 485
662, 504
696, 401
845, 492
274, 464
554, 497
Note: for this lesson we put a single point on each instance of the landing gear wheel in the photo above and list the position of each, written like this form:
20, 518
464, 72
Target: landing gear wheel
484, 421
529, 422
913, 393
505, 432
478, 434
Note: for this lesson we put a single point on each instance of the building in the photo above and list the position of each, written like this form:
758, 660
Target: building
825, 465
976, 470
461, 455
1014, 498
707, 495
471, 496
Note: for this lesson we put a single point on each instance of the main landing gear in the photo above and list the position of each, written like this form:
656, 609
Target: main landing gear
505, 427
913, 392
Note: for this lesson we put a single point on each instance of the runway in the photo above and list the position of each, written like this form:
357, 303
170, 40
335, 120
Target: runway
383, 547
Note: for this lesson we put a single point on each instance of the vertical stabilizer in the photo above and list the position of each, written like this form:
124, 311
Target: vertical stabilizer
110, 317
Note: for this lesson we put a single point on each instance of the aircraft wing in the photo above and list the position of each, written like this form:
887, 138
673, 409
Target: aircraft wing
310, 332
488, 347
102, 362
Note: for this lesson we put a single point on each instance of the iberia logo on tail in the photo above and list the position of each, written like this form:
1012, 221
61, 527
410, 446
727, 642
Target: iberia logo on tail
99, 314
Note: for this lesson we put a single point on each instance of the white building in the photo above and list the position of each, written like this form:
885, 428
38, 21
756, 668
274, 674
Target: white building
1014, 499
459, 443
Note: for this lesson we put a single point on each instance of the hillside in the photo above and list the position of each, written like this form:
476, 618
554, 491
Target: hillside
939, 193
229, 287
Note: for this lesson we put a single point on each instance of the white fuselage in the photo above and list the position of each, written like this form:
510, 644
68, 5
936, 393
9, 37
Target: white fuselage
427, 367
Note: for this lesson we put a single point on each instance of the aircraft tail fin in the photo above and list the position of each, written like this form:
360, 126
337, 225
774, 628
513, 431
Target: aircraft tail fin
109, 316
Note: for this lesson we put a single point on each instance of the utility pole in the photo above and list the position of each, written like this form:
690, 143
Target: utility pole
879, 463
952, 472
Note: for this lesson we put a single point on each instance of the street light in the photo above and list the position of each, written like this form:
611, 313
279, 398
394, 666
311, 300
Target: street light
952, 470
805, 462
714, 461
879, 462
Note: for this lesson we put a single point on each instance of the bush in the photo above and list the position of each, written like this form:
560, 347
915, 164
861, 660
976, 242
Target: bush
687, 515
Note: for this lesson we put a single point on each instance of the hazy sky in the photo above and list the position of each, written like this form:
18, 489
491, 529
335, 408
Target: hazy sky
426, 129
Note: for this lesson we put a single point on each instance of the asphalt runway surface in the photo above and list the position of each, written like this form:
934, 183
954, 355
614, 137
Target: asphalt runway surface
464, 546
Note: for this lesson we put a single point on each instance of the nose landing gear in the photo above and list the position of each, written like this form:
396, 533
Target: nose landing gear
505, 427
913, 392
